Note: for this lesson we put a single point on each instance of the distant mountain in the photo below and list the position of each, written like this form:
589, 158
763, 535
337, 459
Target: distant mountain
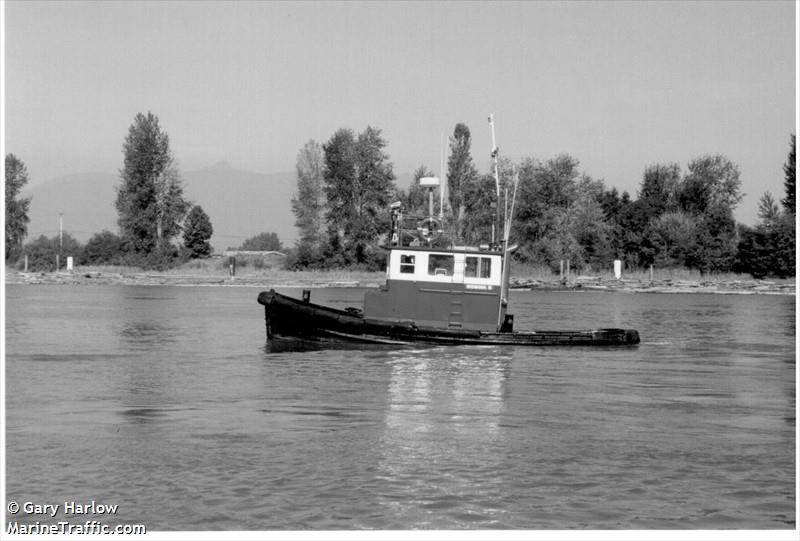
86, 201
241, 204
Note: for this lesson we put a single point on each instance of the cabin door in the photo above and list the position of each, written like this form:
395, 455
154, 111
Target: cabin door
456, 318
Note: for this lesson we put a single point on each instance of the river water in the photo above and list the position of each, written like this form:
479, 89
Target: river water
165, 402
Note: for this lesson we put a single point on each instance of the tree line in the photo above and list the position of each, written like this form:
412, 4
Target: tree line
158, 227
678, 219
345, 186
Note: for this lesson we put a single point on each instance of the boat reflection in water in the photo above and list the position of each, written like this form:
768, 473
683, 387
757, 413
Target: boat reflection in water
443, 421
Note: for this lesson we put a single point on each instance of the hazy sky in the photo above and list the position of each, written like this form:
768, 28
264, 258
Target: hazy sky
618, 85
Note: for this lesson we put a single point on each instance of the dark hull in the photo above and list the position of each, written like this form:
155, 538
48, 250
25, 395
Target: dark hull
288, 318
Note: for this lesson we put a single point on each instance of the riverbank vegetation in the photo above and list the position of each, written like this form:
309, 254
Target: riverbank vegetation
679, 219
215, 271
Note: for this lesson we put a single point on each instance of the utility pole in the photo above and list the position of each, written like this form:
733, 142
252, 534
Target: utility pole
60, 240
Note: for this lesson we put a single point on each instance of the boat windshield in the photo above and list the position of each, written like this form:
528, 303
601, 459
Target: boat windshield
478, 267
441, 265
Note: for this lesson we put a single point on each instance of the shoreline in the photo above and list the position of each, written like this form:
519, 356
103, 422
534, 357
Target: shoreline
322, 279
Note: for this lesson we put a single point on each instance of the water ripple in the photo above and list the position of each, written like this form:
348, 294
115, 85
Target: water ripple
166, 402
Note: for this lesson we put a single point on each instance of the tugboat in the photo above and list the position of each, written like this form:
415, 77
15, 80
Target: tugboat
435, 293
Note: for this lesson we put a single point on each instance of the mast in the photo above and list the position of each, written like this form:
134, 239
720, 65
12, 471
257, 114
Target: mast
507, 251
442, 176
506, 233
495, 152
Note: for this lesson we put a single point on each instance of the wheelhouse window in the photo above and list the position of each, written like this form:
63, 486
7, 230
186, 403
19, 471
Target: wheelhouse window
441, 265
486, 267
407, 264
478, 267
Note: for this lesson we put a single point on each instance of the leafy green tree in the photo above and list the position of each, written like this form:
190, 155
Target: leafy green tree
334, 253
341, 183
546, 192
263, 242
197, 231
42, 253
624, 218
359, 182
150, 203
611, 201
770, 248
302, 257
785, 246
716, 240
659, 191
16, 207
754, 252
478, 204
643, 237
104, 248
768, 210
415, 199
789, 179
674, 237
710, 191
461, 175
590, 228
766, 251
308, 203
711, 180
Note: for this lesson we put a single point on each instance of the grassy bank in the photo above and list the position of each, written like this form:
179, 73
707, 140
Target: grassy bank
204, 272
216, 272
543, 273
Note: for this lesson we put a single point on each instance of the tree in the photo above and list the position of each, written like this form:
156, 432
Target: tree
150, 203
308, 202
263, 242
478, 199
546, 192
766, 251
461, 174
340, 180
636, 248
716, 240
358, 184
104, 248
709, 192
659, 190
674, 236
42, 252
769, 249
789, 180
768, 210
785, 246
589, 225
16, 208
197, 232
711, 180
415, 200
624, 234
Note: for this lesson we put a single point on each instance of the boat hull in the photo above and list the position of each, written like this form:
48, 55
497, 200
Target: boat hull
289, 318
